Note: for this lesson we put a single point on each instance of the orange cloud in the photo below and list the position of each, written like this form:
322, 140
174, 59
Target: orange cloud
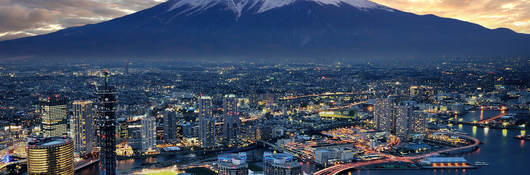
21, 18
513, 14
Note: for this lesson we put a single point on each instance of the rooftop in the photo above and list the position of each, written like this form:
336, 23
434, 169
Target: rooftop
446, 159
46, 142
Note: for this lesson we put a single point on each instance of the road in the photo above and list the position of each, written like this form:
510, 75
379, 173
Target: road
335, 170
492, 118
318, 95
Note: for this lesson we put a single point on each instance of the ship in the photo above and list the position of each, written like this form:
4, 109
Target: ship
481, 164
522, 137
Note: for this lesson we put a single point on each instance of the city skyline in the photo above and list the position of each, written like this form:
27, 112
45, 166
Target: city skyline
264, 87
328, 119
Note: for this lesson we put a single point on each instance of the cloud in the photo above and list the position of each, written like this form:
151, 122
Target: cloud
513, 14
21, 18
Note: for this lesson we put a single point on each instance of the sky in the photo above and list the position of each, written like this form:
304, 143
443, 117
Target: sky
22, 18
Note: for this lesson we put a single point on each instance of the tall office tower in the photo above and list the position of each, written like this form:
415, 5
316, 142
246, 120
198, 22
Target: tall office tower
148, 132
420, 123
206, 122
232, 123
280, 164
82, 129
407, 121
383, 114
107, 128
54, 118
170, 126
51, 155
123, 129
127, 68
403, 120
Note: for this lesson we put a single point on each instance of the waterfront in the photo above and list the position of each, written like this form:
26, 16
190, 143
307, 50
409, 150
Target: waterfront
499, 149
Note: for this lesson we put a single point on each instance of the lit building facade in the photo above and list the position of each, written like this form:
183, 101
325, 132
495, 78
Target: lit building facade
170, 126
207, 134
54, 117
280, 164
403, 120
148, 133
231, 121
82, 129
50, 156
232, 164
107, 124
384, 114
399, 118
420, 122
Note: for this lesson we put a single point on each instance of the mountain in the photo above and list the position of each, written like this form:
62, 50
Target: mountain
272, 29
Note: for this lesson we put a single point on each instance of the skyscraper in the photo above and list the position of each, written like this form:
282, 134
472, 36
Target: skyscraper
206, 122
170, 126
399, 118
54, 118
383, 114
82, 129
403, 120
107, 128
232, 123
420, 123
51, 155
148, 132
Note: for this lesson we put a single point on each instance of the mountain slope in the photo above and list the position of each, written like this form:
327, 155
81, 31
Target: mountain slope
242, 29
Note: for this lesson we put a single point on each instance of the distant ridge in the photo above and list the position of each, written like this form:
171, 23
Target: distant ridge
272, 29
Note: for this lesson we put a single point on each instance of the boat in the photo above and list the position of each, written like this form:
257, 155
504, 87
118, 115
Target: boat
481, 164
522, 137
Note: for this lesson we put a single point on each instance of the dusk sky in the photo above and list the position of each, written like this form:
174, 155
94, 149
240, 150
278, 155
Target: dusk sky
21, 18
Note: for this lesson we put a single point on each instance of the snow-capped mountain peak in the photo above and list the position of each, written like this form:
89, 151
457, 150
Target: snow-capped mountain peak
238, 6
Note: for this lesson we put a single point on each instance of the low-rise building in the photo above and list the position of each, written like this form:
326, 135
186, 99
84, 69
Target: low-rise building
232, 164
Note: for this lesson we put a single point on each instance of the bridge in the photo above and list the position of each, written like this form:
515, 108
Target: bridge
335, 170
319, 95
492, 118
82, 164
275, 147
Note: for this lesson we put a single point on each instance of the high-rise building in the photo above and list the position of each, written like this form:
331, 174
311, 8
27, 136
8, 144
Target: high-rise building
107, 128
403, 120
148, 131
51, 156
54, 117
206, 122
126, 71
409, 121
123, 129
232, 164
420, 122
280, 164
231, 121
82, 129
383, 114
399, 118
170, 126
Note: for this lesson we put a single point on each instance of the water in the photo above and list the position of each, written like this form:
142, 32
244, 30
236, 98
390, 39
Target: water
505, 154
136, 165
131, 165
